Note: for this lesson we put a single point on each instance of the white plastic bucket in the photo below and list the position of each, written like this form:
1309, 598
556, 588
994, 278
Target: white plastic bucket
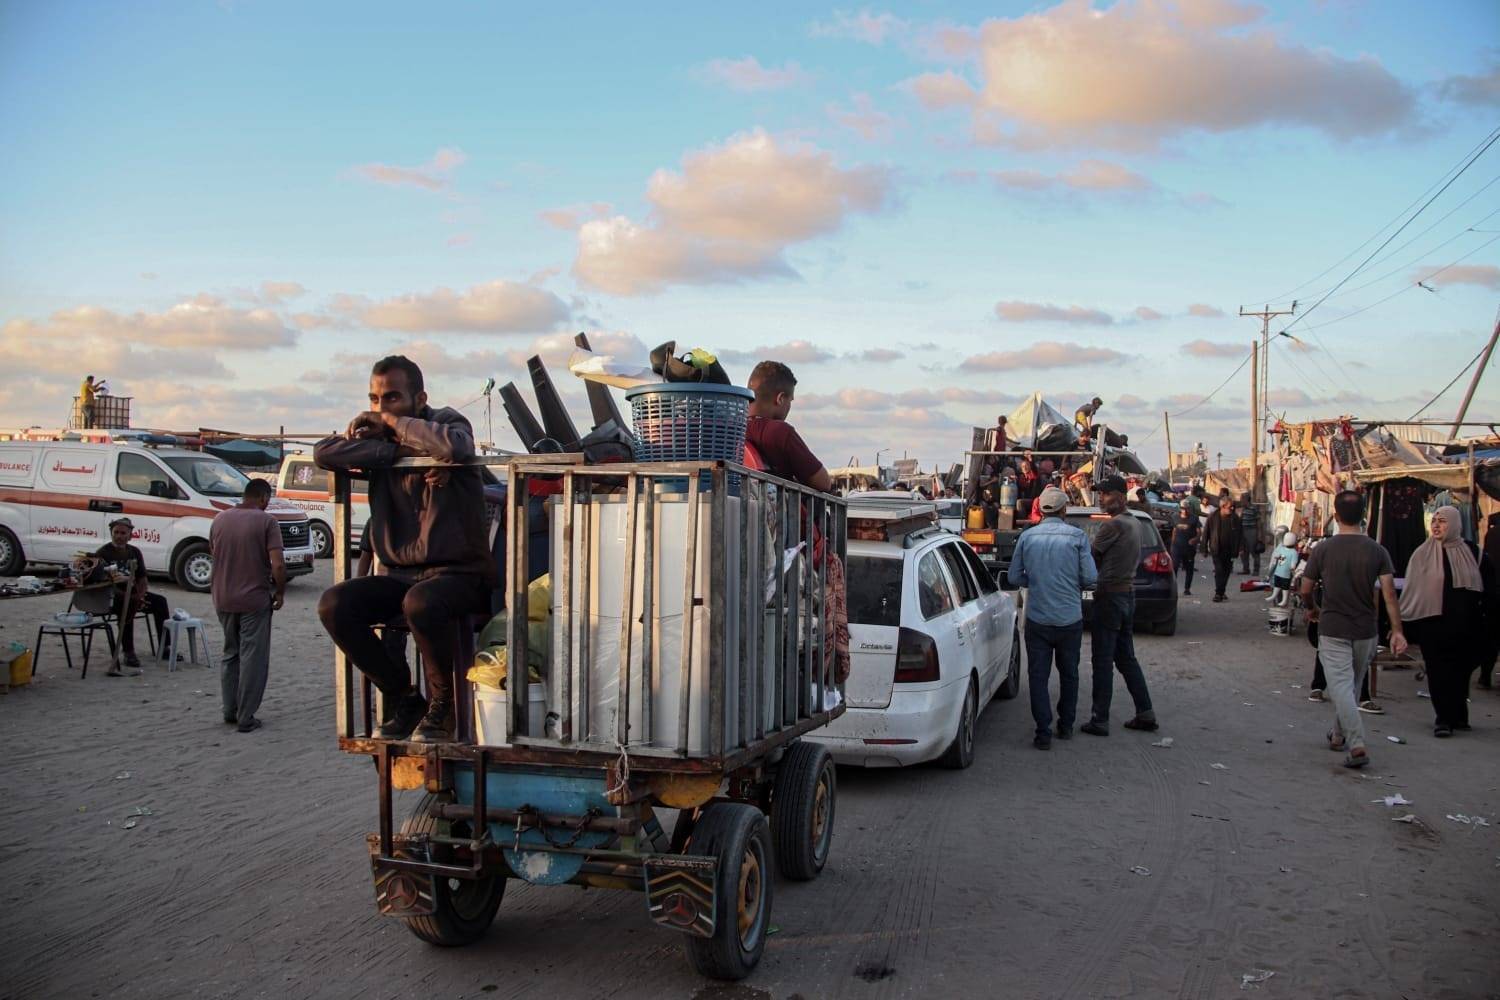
490, 706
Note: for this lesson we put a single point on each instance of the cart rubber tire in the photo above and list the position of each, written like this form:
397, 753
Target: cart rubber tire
463, 908
12, 559
322, 539
960, 753
1168, 627
188, 569
1011, 686
738, 835
802, 810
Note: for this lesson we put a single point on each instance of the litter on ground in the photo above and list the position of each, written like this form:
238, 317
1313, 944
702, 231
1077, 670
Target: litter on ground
1255, 978
1408, 818
1164, 742
1218, 767
1140, 869
1393, 800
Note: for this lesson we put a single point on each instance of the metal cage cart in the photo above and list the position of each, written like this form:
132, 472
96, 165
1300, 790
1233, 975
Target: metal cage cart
688, 651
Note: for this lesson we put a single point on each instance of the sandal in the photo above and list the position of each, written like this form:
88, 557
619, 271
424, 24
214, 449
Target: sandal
1356, 760
1336, 745
1317, 695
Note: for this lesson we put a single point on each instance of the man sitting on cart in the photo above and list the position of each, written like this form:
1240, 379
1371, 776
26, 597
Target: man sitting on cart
775, 446
427, 530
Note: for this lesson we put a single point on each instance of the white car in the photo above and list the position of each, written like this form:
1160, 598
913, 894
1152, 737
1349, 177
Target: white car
932, 640
302, 484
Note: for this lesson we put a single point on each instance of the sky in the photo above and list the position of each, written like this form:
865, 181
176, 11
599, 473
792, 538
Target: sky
929, 210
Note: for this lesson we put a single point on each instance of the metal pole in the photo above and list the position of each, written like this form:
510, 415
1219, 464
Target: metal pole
1484, 360
1254, 425
1167, 420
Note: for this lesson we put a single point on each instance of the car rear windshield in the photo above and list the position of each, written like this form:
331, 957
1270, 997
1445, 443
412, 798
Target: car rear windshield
1150, 540
874, 590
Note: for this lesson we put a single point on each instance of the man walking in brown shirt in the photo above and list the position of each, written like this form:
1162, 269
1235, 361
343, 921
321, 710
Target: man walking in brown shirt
249, 582
428, 533
1116, 550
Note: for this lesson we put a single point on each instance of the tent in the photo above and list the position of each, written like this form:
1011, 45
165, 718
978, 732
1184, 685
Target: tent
242, 452
1031, 425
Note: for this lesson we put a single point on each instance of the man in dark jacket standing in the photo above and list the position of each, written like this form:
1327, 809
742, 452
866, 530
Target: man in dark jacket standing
1223, 538
1250, 525
1117, 552
427, 530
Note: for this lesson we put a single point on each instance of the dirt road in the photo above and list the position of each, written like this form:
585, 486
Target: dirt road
1024, 876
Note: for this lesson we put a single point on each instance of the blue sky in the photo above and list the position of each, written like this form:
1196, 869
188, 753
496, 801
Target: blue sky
230, 209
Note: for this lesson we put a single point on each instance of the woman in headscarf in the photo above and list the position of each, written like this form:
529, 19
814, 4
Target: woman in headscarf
1185, 544
1442, 605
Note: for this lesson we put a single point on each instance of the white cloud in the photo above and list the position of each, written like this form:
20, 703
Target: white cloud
204, 321
880, 355
1133, 73
939, 91
1482, 90
1204, 311
1146, 314
1212, 349
434, 175
1095, 176
1046, 312
748, 76
863, 118
570, 217
863, 26
793, 352
277, 292
1042, 354
493, 307
727, 216
1480, 275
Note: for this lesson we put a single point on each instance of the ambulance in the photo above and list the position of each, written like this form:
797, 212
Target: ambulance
302, 483
57, 497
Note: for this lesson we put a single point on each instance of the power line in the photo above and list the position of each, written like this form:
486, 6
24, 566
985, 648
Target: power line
1463, 371
1404, 289
1493, 138
1243, 362
1287, 295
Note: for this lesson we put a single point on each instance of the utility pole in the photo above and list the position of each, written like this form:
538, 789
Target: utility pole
1265, 316
1167, 420
1484, 360
1254, 421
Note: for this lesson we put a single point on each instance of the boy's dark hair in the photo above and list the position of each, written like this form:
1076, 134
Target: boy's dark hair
771, 378
257, 489
400, 363
1349, 507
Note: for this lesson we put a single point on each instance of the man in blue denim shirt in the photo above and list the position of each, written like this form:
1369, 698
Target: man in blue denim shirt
1053, 562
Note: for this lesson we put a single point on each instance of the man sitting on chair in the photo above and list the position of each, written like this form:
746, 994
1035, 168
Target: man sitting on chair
427, 529
120, 557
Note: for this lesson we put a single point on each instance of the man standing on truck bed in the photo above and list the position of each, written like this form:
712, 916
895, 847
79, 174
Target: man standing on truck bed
1117, 551
428, 531
774, 445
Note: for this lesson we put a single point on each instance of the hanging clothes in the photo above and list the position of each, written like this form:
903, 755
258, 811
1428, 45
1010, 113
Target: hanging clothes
1403, 525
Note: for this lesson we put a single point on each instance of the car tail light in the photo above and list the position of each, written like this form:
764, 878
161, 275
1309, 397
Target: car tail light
916, 658
1158, 562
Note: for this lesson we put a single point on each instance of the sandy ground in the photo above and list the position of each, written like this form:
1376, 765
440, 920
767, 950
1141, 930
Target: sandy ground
249, 876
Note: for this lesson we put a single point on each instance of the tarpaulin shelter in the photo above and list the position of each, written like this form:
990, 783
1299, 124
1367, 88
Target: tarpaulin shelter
243, 452
1038, 424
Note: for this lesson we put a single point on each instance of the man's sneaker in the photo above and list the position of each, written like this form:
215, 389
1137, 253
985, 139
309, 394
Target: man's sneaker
1317, 695
230, 720
1042, 741
1143, 722
132, 661
409, 711
1064, 732
1095, 728
436, 726
1371, 708
249, 725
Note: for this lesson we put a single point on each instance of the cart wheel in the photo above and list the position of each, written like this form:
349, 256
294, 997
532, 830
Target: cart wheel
463, 908
737, 835
802, 811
